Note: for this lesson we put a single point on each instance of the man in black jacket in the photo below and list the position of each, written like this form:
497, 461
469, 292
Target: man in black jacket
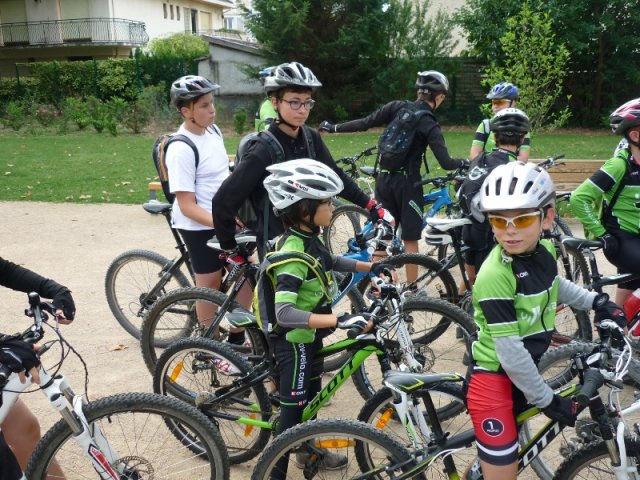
396, 189
290, 88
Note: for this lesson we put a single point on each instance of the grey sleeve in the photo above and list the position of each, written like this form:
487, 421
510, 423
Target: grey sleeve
575, 295
343, 264
518, 364
287, 315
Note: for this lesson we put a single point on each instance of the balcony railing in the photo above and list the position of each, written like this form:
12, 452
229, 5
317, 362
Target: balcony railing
80, 31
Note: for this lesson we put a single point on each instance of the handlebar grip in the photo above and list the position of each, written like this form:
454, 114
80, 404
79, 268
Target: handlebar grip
353, 333
593, 380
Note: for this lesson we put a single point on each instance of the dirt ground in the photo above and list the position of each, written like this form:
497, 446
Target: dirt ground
74, 244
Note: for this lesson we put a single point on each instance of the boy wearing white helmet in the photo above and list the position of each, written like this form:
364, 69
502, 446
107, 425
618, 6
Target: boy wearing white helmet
515, 297
301, 192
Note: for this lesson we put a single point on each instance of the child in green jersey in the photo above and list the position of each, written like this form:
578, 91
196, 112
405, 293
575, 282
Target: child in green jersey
515, 297
300, 192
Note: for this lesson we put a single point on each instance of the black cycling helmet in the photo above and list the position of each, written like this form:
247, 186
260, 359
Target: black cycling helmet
503, 90
625, 117
432, 81
291, 74
510, 120
190, 87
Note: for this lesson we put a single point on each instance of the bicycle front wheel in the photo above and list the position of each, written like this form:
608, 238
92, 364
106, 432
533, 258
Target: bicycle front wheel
441, 334
594, 462
556, 368
133, 282
173, 317
202, 367
154, 437
365, 452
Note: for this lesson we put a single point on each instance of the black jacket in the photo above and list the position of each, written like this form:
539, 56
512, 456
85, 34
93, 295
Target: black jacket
428, 134
246, 182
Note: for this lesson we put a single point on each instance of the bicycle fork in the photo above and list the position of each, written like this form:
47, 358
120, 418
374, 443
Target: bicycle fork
88, 436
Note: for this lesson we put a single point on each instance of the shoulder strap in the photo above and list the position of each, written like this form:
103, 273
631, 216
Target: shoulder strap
280, 258
608, 208
276, 149
308, 138
179, 137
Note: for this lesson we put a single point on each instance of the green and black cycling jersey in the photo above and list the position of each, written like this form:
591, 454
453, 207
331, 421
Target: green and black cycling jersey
297, 285
602, 186
485, 140
515, 296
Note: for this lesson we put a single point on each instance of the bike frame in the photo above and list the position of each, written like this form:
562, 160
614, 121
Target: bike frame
360, 349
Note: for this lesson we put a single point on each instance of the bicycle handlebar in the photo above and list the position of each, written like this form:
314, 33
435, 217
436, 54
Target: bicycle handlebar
593, 380
441, 181
352, 160
551, 161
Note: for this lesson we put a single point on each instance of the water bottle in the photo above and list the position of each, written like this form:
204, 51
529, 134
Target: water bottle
631, 309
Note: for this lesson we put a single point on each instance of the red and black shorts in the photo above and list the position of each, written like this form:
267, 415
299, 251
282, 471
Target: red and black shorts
493, 401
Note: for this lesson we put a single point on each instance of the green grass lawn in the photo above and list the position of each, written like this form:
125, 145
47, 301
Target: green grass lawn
95, 168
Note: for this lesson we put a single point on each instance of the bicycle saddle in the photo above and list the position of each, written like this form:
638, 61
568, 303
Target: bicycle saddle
245, 237
414, 382
580, 243
368, 171
156, 207
241, 318
444, 224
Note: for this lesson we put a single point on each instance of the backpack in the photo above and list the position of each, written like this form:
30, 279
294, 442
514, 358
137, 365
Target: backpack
470, 188
264, 294
247, 212
397, 137
159, 152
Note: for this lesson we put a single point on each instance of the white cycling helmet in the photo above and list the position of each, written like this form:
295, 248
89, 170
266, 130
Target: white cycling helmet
516, 186
296, 180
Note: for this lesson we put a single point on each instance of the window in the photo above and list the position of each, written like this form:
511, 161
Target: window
164, 8
229, 23
171, 9
177, 13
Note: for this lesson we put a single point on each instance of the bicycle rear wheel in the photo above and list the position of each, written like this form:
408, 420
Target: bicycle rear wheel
441, 334
368, 453
346, 222
154, 436
173, 317
130, 278
194, 367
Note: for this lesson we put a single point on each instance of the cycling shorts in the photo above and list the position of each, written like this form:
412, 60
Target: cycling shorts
398, 194
492, 400
627, 258
203, 259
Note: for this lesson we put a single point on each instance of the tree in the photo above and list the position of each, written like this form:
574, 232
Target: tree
351, 45
184, 45
531, 58
600, 34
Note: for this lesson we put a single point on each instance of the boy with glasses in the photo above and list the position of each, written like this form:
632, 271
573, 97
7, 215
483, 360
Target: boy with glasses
290, 87
514, 299
503, 95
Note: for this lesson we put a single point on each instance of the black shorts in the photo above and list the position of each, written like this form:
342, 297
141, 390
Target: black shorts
203, 259
627, 259
9, 468
397, 193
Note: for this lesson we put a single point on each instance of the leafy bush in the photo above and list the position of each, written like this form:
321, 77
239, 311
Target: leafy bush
116, 108
240, 121
14, 116
77, 111
45, 114
98, 113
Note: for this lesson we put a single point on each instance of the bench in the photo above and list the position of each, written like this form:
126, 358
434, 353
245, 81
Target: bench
567, 177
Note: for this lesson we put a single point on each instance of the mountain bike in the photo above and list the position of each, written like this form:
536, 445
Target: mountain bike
173, 315
131, 435
364, 461
137, 278
230, 388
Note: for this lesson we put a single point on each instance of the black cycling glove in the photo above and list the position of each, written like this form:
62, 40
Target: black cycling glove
382, 268
327, 127
605, 309
562, 410
17, 355
356, 322
64, 301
